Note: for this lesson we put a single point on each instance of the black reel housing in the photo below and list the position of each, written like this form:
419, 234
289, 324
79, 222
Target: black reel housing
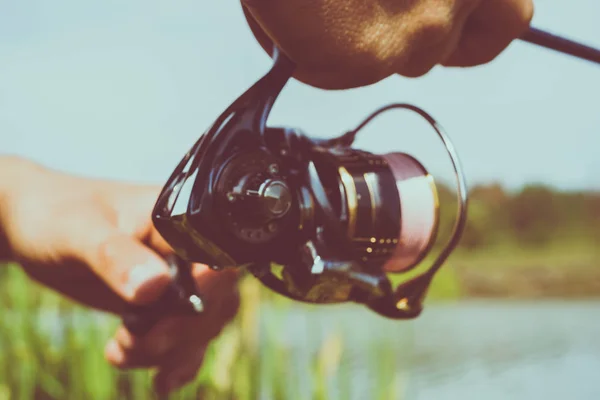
263, 196
298, 213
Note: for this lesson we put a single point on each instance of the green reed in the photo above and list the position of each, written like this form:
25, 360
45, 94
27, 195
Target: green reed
51, 348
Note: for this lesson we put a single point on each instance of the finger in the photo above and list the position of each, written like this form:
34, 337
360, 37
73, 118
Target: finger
490, 30
132, 270
146, 356
220, 288
154, 240
127, 351
436, 35
212, 283
224, 312
216, 288
179, 369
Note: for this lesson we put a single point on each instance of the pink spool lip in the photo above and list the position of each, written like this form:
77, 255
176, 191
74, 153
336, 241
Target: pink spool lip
419, 212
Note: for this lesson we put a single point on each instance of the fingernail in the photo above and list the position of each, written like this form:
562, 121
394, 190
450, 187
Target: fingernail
143, 274
114, 353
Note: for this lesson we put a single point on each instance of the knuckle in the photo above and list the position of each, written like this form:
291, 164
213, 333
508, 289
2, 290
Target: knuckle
519, 20
434, 25
127, 341
430, 23
106, 247
108, 251
427, 42
528, 10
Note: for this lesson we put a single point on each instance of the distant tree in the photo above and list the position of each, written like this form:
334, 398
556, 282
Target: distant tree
533, 215
492, 194
477, 233
536, 215
495, 218
592, 212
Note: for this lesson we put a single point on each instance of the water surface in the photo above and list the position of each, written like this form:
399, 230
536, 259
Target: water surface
469, 350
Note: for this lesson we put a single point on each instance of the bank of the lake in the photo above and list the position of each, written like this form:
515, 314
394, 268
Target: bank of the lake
564, 271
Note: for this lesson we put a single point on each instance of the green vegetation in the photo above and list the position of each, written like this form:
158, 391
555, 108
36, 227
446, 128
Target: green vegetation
51, 348
536, 242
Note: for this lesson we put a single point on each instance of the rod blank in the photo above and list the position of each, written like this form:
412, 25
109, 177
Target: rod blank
562, 45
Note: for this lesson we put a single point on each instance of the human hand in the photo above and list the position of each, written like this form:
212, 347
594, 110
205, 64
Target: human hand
341, 44
93, 241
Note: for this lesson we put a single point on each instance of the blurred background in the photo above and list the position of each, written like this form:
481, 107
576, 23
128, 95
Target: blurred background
122, 89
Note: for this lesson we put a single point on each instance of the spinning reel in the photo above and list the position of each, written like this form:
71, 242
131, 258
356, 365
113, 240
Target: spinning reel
318, 221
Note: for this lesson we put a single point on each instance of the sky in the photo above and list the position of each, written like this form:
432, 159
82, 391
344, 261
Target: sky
122, 89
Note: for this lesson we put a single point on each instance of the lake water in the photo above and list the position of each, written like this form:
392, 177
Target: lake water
480, 350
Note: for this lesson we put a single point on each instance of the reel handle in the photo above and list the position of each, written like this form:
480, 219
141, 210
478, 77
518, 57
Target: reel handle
180, 298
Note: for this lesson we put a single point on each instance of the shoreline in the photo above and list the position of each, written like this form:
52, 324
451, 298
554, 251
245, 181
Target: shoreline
527, 282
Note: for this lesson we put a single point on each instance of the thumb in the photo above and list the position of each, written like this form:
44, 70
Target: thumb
131, 269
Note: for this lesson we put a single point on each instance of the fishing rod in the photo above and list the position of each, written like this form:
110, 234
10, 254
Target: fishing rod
317, 221
561, 45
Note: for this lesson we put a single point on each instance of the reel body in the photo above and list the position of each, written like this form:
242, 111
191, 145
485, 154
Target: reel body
317, 221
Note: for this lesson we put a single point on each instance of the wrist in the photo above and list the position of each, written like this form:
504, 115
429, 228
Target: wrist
12, 168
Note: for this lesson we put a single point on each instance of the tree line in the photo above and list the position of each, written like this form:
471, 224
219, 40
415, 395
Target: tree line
535, 215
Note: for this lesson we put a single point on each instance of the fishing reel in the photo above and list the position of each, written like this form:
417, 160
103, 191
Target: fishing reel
318, 221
